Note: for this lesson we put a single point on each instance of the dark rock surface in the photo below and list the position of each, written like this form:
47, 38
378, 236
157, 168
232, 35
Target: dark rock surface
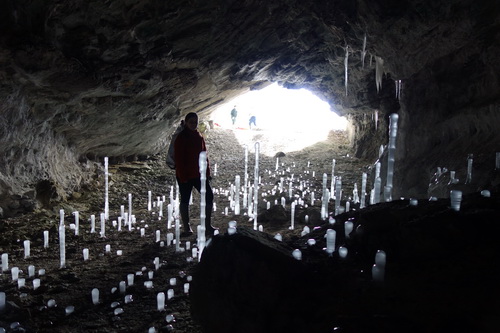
440, 274
85, 79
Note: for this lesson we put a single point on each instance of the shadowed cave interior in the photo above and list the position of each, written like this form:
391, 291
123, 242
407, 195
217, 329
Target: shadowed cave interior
84, 80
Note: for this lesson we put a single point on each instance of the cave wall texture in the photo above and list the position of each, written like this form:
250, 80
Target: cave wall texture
83, 79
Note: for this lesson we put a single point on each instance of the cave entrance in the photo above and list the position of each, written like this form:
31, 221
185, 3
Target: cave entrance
286, 119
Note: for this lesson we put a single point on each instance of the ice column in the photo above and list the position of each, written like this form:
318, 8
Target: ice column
363, 191
160, 301
331, 236
256, 187
62, 243
5, 262
95, 296
332, 183
378, 269
245, 178
203, 191
27, 248
338, 194
178, 235
77, 223
61, 217
170, 212
103, 225
129, 211
106, 191
456, 199
391, 149
325, 197
355, 196
376, 190
92, 224
45, 239
237, 195
377, 170
149, 201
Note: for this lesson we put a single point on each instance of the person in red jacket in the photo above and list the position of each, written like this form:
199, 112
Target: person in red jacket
187, 148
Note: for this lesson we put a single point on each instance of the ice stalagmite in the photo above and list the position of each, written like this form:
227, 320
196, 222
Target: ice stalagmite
391, 149
376, 190
324, 199
129, 221
5, 262
338, 194
355, 195
363, 190
245, 186
77, 223
149, 200
106, 192
256, 187
332, 183
202, 161
237, 195
62, 245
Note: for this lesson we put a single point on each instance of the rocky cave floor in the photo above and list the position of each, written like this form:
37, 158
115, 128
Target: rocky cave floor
28, 310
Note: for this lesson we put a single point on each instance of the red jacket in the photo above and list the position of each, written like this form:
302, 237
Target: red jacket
187, 148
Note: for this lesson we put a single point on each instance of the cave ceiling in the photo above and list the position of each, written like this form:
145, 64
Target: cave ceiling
112, 78
94, 66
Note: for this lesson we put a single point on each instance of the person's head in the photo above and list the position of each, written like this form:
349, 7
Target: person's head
191, 121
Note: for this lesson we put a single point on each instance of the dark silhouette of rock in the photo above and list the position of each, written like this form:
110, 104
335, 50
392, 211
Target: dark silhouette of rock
440, 274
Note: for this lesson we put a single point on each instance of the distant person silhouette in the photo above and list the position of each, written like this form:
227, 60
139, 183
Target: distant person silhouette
234, 114
252, 120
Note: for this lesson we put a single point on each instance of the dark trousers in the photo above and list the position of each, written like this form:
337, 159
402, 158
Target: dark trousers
185, 190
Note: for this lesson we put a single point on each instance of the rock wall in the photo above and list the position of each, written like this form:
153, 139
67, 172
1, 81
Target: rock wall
37, 165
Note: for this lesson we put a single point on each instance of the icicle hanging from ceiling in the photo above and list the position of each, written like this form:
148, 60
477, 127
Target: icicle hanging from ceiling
363, 53
379, 71
399, 85
346, 61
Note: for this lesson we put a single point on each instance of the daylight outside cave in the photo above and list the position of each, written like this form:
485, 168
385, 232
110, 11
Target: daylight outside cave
286, 119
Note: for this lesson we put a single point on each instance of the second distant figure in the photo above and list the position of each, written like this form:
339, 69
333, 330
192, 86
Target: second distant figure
252, 121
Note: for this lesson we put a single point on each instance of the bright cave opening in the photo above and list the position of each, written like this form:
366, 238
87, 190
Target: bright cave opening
285, 119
